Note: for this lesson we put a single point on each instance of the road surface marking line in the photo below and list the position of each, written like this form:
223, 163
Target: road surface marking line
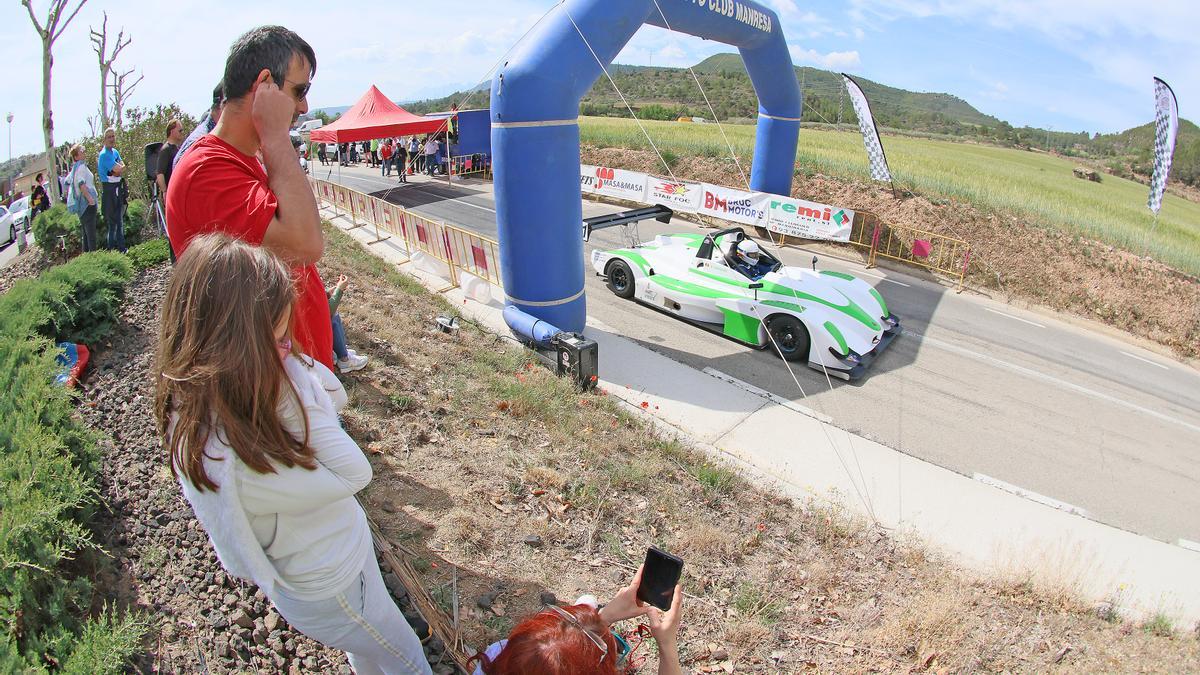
1052, 380
1135, 356
883, 278
452, 199
1030, 495
763, 393
1015, 318
1189, 545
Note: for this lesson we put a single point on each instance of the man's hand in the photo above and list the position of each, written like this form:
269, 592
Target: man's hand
273, 109
343, 281
664, 626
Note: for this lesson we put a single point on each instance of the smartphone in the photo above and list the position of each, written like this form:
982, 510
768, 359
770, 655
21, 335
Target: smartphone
660, 575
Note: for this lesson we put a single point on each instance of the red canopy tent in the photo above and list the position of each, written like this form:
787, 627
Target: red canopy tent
375, 116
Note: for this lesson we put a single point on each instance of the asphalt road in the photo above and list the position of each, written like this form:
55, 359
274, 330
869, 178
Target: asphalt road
1090, 421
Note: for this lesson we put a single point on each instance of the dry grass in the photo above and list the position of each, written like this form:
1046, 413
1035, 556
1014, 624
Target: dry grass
489, 449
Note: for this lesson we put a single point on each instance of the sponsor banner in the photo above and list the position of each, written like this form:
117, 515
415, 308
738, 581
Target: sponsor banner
739, 206
808, 220
619, 183
679, 195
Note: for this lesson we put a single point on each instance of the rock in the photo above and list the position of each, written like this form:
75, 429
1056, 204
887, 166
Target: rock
230, 600
388, 507
241, 618
394, 585
486, 600
272, 621
532, 540
547, 598
221, 646
276, 645
218, 621
259, 636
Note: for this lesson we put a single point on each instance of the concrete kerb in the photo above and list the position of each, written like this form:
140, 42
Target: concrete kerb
984, 527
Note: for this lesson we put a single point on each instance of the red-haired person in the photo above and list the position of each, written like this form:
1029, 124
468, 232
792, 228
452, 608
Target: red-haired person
250, 425
578, 639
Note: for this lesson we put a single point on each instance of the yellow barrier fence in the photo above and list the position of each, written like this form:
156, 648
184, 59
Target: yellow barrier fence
471, 164
458, 249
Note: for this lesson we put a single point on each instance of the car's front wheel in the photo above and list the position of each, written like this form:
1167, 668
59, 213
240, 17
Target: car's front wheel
789, 337
620, 279
12, 233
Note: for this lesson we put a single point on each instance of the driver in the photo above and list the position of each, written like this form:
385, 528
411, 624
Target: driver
749, 260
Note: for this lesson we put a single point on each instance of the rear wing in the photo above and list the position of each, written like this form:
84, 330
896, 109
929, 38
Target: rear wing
659, 212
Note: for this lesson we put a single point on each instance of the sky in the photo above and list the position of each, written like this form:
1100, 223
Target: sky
1066, 64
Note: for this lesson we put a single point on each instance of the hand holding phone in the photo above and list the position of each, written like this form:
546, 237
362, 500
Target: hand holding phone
660, 576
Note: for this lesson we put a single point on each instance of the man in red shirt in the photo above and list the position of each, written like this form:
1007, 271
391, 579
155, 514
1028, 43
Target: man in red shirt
221, 185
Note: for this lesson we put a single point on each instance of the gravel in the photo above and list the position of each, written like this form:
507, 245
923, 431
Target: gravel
203, 619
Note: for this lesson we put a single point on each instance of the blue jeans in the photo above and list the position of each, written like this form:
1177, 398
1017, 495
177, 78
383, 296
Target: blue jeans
113, 206
339, 339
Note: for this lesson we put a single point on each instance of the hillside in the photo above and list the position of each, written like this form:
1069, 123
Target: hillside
1132, 150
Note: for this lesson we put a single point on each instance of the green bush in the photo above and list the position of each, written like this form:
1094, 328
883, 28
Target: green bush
147, 255
47, 227
73, 302
135, 222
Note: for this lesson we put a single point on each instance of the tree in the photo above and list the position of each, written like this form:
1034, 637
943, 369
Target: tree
50, 32
100, 46
122, 92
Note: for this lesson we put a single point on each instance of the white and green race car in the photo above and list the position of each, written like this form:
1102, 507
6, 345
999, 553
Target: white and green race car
829, 320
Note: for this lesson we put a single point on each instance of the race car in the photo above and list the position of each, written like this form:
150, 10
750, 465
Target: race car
829, 320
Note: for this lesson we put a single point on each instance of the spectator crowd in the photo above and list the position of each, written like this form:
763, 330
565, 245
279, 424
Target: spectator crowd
247, 401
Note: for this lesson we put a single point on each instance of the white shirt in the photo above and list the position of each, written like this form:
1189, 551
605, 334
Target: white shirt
307, 524
431, 147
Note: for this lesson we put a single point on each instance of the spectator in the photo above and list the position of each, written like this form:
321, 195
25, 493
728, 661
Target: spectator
39, 200
385, 153
431, 148
207, 124
414, 153
221, 184
166, 155
400, 159
83, 186
374, 152
251, 428
111, 168
353, 153
347, 359
578, 640
322, 155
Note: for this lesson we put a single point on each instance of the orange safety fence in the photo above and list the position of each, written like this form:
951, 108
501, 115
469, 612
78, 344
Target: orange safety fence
460, 250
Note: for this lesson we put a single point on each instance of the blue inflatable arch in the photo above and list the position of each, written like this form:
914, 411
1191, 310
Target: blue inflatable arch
535, 134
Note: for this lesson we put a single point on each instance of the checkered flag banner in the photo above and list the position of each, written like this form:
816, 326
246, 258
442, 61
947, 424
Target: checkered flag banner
866, 124
1166, 123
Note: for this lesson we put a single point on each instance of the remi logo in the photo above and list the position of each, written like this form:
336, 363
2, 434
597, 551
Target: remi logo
672, 189
603, 173
840, 218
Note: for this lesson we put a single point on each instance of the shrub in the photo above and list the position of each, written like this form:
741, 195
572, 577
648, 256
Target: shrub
74, 302
48, 226
147, 255
135, 222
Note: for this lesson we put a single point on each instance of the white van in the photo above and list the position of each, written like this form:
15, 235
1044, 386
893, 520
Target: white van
306, 128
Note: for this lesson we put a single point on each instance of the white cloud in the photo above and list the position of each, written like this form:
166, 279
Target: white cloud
832, 60
784, 8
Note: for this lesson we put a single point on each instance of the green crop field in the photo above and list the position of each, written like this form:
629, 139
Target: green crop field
1037, 186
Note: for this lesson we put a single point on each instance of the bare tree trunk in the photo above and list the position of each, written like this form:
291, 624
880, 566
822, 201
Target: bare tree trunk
122, 92
100, 46
51, 31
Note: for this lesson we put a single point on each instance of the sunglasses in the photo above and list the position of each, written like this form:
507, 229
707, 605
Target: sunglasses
591, 635
300, 90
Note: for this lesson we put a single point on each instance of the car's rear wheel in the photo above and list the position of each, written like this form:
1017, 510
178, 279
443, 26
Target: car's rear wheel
620, 279
789, 337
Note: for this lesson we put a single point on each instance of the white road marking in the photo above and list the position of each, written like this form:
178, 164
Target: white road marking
778, 400
1189, 545
880, 276
451, 199
1051, 379
1134, 356
418, 187
1030, 495
1010, 316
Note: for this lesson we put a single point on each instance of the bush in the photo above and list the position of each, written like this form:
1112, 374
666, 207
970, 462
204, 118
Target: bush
147, 255
73, 302
56, 221
135, 222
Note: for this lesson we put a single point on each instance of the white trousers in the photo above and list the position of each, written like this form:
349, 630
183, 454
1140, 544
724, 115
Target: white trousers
362, 621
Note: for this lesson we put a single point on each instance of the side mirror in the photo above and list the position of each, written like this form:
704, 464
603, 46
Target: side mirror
814, 263
587, 231
755, 286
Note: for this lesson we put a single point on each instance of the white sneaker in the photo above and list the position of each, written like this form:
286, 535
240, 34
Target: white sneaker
351, 363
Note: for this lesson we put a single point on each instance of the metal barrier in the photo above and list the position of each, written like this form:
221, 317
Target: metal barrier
460, 250
463, 165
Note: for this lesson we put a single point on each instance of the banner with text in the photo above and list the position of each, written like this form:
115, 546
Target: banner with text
782, 215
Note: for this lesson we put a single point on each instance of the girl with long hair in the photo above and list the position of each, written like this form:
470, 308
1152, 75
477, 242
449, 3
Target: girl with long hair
250, 426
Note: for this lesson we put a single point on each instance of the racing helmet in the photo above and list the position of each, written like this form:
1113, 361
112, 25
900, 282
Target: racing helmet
748, 251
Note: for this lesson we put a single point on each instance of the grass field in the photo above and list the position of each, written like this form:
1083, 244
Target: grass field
1034, 185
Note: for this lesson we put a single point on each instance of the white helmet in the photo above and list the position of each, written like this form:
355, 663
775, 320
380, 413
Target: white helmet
748, 251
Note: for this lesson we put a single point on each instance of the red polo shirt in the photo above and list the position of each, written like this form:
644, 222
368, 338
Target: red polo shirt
216, 188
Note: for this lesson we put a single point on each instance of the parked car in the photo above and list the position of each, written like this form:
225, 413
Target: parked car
8, 229
20, 213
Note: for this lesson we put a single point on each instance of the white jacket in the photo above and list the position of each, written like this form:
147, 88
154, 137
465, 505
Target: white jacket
298, 528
